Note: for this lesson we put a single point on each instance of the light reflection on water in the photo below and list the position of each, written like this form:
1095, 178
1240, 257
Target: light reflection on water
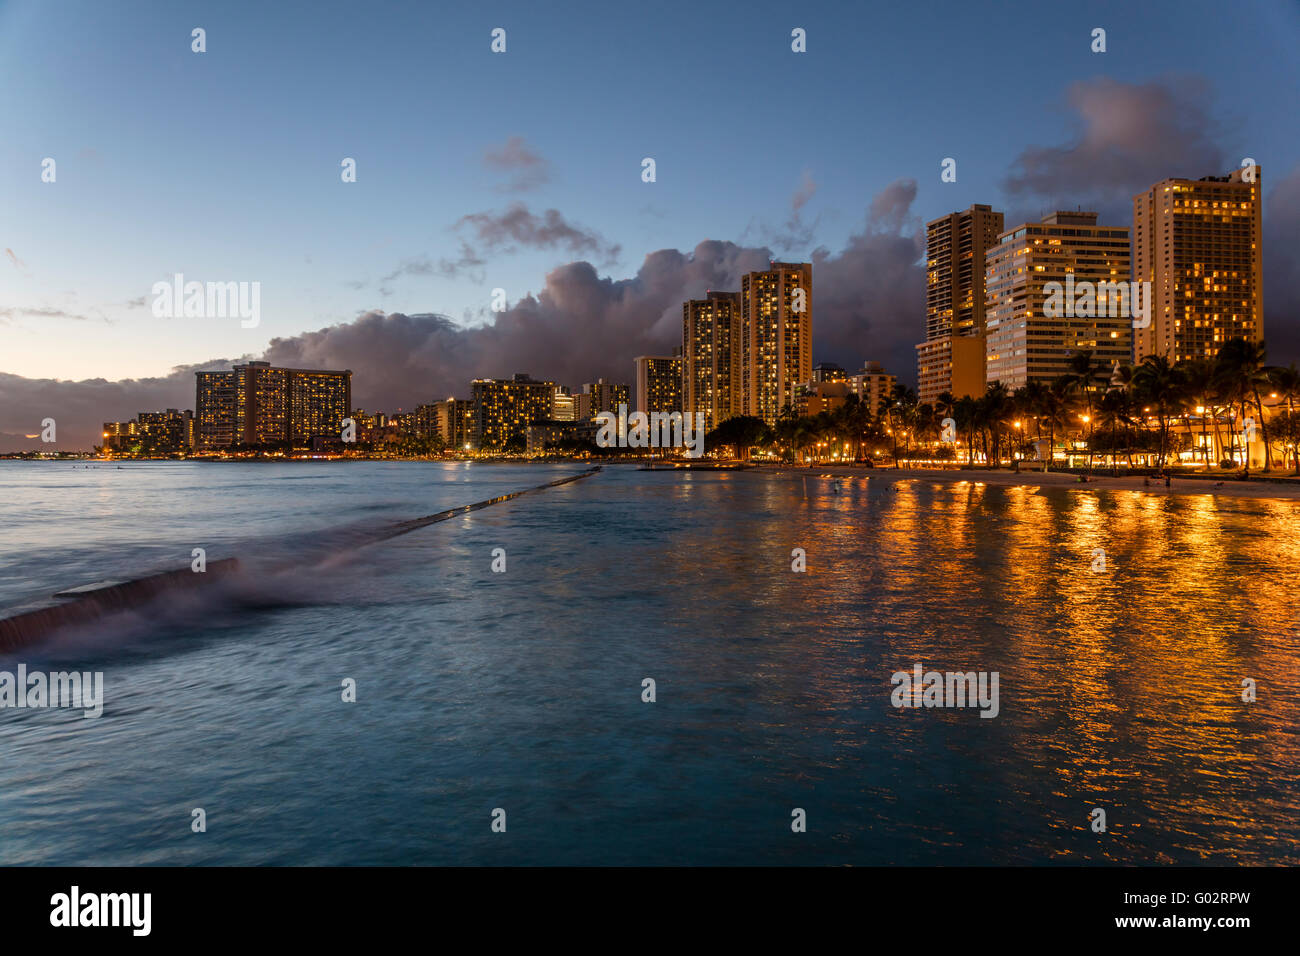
1119, 690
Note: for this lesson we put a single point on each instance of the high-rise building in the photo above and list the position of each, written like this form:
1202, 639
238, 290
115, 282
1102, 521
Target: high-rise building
776, 337
318, 403
954, 270
565, 408
829, 372
1198, 242
658, 383
821, 395
1034, 331
505, 407
424, 422
873, 386
711, 329
260, 405
151, 434
215, 408
955, 297
456, 420
599, 396
950, 363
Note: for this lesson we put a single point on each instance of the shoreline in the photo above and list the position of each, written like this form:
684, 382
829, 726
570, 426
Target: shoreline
1283, 490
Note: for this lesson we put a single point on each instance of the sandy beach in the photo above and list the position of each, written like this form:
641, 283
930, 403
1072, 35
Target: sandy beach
1277, 487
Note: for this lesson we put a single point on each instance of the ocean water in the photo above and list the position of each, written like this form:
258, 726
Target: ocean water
1119, 690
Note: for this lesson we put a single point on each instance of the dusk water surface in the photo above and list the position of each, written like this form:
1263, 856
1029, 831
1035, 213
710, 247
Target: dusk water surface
476, 690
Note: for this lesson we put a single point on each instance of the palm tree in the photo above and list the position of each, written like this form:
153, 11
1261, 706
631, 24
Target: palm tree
963, 413
902, 402
997, 405
926, 423
1114, 410
1081, 378
1244, 372
1054, 411
1202, 382
1160, 385
1286, 382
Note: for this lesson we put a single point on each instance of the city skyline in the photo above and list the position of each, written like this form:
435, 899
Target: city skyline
512, 201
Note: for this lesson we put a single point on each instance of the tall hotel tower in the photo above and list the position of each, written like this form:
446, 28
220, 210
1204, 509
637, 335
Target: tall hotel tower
658, 383
711, 357
1024, 343
775, 338
1198, 243
948, 361
259, 404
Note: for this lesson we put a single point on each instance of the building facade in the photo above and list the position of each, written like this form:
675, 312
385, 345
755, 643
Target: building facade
1199, 244
952, 364
565, 407
873, 386
599, 396
262, 406
456, 420
658, 383
711, 329
1032, 334
776, 309
955, 297
151, 434
505, 407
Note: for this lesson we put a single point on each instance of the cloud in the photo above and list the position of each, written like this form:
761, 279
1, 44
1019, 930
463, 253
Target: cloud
527, 169
517, 227
1131, 136
502, 232
869, 299
1282, 268
15, 311
1127, 137
79, 409
580, 326
17, 263
468, 260
796, 236
806, 190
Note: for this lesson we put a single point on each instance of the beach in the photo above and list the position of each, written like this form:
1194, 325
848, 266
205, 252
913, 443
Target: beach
1287, 489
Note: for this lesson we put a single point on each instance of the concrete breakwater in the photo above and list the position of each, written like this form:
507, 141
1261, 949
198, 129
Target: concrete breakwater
84, 605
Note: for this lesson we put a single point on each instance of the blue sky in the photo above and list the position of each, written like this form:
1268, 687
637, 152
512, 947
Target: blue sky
225, 165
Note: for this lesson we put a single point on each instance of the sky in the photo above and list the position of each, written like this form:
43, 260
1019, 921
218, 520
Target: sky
522, 171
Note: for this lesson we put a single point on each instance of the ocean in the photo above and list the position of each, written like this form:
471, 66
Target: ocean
517, 694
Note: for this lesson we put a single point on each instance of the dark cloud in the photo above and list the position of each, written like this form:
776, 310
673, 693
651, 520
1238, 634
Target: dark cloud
1131, 136
1282, 267
519, 227
468, 261
526, 168
869, 299
796, 235
1128, 136
580, 326
79, 409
